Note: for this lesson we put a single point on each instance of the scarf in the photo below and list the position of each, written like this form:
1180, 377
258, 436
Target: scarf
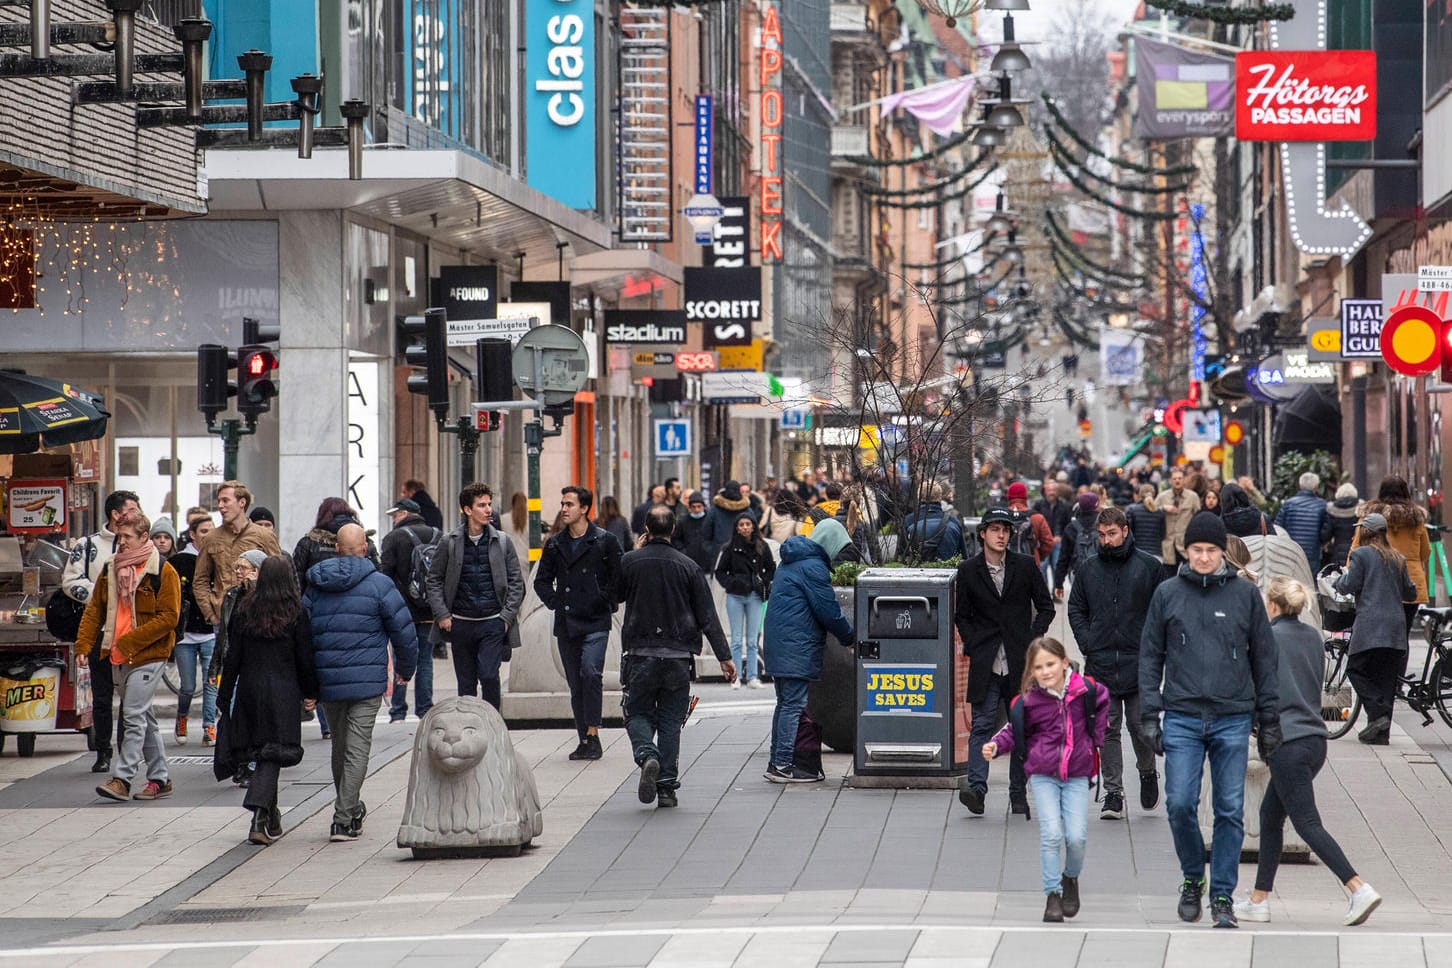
129, 566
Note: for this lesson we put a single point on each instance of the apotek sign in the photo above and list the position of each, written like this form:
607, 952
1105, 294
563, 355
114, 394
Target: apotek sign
726, 301
771, 112
560, 99
1305, 95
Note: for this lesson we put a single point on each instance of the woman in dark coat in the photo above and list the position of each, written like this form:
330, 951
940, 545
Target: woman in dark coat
1242, 518
1147, 522
1343, 523
745, 569
270, 665
321, 543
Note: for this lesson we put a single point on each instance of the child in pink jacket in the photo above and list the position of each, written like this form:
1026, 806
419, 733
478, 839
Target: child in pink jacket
1060, 760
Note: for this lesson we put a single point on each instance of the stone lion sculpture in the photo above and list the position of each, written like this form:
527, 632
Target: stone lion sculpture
469, 792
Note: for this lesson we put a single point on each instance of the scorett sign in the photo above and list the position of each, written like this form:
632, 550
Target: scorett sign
726, 301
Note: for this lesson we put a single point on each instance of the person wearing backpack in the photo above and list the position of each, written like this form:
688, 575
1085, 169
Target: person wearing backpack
1032, 534
578, 578
1081, 541
1056, 723
405, 555
936, 533
1107, 608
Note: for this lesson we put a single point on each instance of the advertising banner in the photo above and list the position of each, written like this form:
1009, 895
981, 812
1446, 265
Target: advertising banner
703, 144
666, 327
1361, 321
1182, 93
726, 301
35, 506
899, 688
468, 292
1323, 340
1121, 356
560, 99
1305, 95
732, 245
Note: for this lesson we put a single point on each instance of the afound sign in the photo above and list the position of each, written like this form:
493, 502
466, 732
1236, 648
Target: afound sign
727, 302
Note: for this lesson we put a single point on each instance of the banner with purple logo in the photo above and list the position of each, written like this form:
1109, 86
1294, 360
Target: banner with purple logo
1182, 93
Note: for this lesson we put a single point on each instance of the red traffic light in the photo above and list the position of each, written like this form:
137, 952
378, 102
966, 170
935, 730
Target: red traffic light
261, 363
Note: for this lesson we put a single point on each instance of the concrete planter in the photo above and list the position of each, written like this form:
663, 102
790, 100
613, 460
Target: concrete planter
832, 700
1294, 850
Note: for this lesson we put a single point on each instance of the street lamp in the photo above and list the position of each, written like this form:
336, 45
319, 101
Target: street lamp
1010, 56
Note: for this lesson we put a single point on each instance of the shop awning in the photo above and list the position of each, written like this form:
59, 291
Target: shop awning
450, 196
1310, 422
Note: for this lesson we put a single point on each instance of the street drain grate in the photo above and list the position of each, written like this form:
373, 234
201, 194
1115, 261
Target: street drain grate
226, 915
196, 760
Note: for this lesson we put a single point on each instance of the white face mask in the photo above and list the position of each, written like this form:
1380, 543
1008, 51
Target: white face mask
698, 515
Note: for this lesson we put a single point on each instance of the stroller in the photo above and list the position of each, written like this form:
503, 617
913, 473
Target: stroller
1340, 705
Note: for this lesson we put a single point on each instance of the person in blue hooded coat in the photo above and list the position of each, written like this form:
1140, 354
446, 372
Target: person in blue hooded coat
355, 611
802, 610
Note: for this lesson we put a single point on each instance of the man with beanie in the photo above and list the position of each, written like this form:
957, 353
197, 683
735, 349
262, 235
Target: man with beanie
1080, 540
803, 610
1208, 664
1039, 528
263, 518
1003, 605
1107, 607
690, 536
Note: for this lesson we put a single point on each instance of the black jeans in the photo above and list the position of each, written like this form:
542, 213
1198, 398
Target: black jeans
1293, 768
262, 788
583, 659
656, 702
1374, 674
103, 698
478, 652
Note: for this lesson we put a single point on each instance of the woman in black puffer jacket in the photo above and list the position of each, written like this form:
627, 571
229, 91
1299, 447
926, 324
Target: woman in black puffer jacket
1343, 523
745, 570
1147, 522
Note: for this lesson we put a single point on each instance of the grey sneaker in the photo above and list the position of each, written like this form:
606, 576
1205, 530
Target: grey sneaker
1363, 902
649, 773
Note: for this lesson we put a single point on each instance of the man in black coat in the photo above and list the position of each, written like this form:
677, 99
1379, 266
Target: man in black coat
1003, 604
427, 509
410, 531
577, 578
668, 608
690, 536
1107, 605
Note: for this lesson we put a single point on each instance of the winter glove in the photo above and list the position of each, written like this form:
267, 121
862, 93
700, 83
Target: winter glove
1154, 736
1268, 740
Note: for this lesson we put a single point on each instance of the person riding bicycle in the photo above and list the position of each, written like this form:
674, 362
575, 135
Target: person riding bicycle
1377, 575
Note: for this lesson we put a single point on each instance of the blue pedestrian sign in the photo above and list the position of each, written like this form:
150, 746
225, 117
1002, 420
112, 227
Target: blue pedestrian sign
672, 438
794, 419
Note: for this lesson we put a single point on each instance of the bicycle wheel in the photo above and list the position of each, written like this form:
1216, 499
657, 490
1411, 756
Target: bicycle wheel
171, 677
1441, 685
1340, 705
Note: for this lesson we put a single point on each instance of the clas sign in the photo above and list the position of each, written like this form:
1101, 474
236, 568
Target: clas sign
1305, 95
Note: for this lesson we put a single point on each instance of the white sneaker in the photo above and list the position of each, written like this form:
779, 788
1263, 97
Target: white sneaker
735, 683
755, 683
1248, 910
1363, 902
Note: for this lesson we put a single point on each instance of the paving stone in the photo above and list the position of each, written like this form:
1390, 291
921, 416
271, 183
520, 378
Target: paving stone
859, 947
616, 951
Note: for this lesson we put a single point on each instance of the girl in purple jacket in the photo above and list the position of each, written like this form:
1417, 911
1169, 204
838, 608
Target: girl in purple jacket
1059, 763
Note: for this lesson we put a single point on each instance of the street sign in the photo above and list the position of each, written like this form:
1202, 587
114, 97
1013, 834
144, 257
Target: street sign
563, 366
1323, 340
1361, 322
464, 332
735, 386
672, 438
1434, 278
646, 364
1411, 341
794, 419
703, 362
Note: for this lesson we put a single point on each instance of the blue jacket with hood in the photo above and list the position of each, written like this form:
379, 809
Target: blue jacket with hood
803, 607
355, 611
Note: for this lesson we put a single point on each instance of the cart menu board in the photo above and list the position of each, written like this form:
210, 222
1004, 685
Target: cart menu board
34, 505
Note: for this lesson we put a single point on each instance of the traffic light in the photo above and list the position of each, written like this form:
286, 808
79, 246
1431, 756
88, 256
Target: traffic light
1446, 347
255, 386
431, 354
256, 331
213, 386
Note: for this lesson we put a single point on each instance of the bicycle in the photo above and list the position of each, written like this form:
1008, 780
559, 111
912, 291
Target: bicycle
1340, 706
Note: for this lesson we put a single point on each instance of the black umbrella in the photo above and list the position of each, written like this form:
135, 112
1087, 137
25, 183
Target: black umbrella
36, 412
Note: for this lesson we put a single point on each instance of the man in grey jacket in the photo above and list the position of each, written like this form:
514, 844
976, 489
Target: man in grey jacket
1207, 662
475, 588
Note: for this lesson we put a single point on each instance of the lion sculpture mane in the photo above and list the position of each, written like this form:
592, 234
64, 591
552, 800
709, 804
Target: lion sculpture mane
469, 790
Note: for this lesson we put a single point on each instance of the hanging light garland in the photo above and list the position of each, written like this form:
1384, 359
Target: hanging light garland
1176, 171
867, 161
931, 187
1224, 15
1065, 157
934, 202
1151, 215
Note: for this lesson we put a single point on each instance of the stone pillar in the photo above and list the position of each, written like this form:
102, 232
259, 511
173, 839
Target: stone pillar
311, 405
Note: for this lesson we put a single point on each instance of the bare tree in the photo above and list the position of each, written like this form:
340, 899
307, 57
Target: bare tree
1073, 65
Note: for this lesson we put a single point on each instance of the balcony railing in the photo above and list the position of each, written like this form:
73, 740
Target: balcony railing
849, 139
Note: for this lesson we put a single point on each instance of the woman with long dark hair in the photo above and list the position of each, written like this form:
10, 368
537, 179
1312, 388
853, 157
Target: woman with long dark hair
1406, 531
616, 523
270, 666
321, 543
1377, 574
745, 569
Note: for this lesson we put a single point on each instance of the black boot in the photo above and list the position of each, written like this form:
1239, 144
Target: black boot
258, 833
1070, 901
274, 822
1053, 909
103, 762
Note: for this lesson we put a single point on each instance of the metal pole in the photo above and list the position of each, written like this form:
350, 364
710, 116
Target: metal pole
193, 33
254, 64
307, 87
468, 447
123, 12
354, 111
533, 440
40, 29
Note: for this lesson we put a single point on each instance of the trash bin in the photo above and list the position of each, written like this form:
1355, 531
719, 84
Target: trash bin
30, 693
911, 675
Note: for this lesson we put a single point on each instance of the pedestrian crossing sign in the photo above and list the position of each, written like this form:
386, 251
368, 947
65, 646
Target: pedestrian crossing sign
672, 438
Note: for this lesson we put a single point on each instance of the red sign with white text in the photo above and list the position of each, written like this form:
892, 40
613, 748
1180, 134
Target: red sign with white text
1305, 95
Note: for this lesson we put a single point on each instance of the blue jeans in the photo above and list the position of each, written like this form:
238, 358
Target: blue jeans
791, 700
423, 680
187, 655
744, 610
1226, 741
985, 724
1063, 807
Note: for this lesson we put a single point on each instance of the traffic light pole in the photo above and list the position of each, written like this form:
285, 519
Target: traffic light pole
468, 447
231, 431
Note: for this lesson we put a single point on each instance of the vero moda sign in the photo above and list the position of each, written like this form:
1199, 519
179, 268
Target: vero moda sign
1305, 95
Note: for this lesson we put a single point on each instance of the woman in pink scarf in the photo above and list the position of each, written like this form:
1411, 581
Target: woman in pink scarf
133, 612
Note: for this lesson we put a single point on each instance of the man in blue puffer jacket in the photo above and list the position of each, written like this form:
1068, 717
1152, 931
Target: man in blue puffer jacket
801, 611
355, 611
1306, 520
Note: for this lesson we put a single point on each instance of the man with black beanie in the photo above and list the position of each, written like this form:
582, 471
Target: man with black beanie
1208, 663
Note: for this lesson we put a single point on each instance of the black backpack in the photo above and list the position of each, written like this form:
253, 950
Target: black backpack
421, 560
1023, 539
1086, 545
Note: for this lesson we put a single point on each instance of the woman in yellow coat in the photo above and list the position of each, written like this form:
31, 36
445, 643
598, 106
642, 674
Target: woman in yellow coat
133, 612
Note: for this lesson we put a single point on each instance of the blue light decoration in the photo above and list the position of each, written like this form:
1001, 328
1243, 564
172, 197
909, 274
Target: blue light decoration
1199, 285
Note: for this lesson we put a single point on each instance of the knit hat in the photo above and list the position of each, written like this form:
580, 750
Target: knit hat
695, 497
1373, 522
1346, 492
831, 536
1088, 501
1206, 528
1062, 477
1018, 491
255, 555
260, 513
164, 526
